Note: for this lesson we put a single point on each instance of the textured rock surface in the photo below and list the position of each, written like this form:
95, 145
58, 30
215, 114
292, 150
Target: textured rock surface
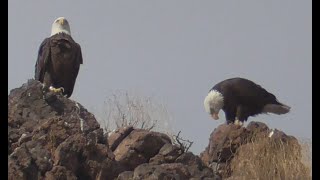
226, 140
117, 136
223, 142
52, 137
138, 147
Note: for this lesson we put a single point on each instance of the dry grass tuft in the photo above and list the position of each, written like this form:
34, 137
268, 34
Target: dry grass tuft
268, 158
306, 150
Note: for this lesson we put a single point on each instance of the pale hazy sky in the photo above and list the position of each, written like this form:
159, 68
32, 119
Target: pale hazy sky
176, 51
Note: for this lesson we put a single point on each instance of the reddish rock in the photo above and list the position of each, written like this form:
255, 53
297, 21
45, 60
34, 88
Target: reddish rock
223, 142
117, 136
138, 147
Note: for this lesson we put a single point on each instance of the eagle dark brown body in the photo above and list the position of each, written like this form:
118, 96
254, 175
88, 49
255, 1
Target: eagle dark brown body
58, 62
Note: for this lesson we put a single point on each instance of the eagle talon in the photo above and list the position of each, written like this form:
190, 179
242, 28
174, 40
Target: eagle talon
56, 90
61, 89
238, 123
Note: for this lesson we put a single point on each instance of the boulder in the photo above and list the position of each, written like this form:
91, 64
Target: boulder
138, 147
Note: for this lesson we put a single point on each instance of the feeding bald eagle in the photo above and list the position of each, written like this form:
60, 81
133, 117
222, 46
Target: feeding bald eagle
59, 59
240, 98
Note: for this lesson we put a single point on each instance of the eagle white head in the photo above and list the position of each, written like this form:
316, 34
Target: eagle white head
213, 103
61, 24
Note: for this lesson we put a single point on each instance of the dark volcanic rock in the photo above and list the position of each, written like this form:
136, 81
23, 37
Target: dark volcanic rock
60, 172
55, 138
21, 165
170, 171
195, 166
163, 171
126, 175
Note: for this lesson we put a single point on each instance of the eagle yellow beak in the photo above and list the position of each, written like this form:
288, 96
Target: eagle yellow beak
215, 116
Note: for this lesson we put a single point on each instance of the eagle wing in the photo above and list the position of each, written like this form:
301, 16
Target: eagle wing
78, 61
43, 59
74, 70
79, 54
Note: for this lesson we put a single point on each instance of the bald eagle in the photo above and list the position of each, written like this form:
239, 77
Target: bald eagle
240, 98
59, 59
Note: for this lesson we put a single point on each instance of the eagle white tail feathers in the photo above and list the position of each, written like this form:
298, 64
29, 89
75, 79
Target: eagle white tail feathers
276, 108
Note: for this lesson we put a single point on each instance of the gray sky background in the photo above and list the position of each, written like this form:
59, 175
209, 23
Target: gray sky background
176, 51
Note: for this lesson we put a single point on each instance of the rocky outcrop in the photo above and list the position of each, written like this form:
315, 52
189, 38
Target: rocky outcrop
233, 144
154, 157
53, 137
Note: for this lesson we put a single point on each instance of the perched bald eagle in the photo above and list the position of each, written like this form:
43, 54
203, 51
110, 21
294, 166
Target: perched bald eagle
59, 59
240, 98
